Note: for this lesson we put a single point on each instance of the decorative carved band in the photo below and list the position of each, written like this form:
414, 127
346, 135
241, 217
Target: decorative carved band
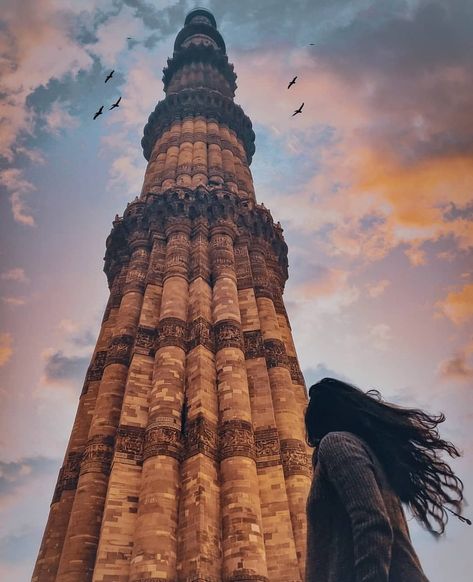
98, 455
200, 334
242, 267
156, 264
278, 303
162, 439
146, 339
295, 460
172, 332
120, 349
268, 452
254, 347
275, 352
130, 442
295, 369
227, 335
68, 475
236, 439
200, 437
96, 367
246, 576
263, 291
135, 279
215, 171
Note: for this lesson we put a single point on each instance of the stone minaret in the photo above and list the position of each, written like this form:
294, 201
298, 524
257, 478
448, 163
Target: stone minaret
187, 460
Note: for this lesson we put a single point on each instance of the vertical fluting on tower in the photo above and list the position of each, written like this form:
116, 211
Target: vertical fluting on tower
187, 460
199, 547
242, 530
80, 546
119, 519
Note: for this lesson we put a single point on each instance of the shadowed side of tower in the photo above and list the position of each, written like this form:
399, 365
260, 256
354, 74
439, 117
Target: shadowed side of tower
187, 460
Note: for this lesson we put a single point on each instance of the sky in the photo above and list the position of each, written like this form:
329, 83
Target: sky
372, 183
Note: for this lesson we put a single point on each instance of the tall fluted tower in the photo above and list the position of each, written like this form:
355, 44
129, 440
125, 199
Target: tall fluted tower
187, 461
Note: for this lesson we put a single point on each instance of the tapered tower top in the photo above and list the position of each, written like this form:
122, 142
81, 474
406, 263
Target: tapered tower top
199, 81
200, 28
200, 14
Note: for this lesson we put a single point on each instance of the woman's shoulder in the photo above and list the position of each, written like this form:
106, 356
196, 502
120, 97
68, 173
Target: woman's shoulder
340, 442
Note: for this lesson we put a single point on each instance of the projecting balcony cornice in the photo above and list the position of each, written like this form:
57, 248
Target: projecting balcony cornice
146, 217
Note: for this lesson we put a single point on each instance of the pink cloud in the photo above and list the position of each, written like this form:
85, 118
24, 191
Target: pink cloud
459, 366
18, 186
377, 289
15, 274
14, 301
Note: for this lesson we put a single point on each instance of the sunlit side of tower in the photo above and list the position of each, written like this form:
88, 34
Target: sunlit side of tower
187, 461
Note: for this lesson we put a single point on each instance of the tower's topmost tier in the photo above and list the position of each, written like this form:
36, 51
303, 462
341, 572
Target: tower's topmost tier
199, 81
200, 27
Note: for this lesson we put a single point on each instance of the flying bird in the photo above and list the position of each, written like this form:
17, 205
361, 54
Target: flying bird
129, 38
293, 82
116, 104
99, 112
312, 44
109, 76
298, 110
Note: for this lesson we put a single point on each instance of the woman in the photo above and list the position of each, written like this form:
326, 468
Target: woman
370, 457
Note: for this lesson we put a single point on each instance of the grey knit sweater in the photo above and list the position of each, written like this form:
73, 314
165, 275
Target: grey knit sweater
357, 531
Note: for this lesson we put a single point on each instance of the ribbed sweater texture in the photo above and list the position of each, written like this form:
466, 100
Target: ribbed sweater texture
357, 531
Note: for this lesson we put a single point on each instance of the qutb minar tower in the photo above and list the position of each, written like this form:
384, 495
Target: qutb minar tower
187, 459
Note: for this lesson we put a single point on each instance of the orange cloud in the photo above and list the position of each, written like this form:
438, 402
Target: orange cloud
458, 305
6, 349
386, 176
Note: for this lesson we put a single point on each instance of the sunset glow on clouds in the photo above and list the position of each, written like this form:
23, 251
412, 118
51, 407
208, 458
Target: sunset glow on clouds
373, 185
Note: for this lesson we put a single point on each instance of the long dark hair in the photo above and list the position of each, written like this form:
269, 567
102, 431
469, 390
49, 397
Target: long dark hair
405, 440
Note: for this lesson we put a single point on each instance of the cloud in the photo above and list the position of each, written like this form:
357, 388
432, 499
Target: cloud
416, 255
62, 369
14, 301
377, 289
19, 546
58, 118
15, 274
397, 150
326, 289
18, 186
380, 336
6, 350
459, 366
321, 370
457, 305
16, 474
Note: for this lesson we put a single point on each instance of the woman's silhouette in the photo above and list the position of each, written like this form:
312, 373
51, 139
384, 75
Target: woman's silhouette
370, 456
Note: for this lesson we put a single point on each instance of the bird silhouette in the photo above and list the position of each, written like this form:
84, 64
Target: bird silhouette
99, 112
298, 110
293, 82
312, 44
109, 76
129, 38
116, 104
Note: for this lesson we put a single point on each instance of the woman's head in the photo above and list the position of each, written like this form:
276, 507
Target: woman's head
337, 406
405, 440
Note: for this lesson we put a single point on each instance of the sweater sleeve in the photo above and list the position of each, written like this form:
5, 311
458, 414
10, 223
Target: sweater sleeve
349, 468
